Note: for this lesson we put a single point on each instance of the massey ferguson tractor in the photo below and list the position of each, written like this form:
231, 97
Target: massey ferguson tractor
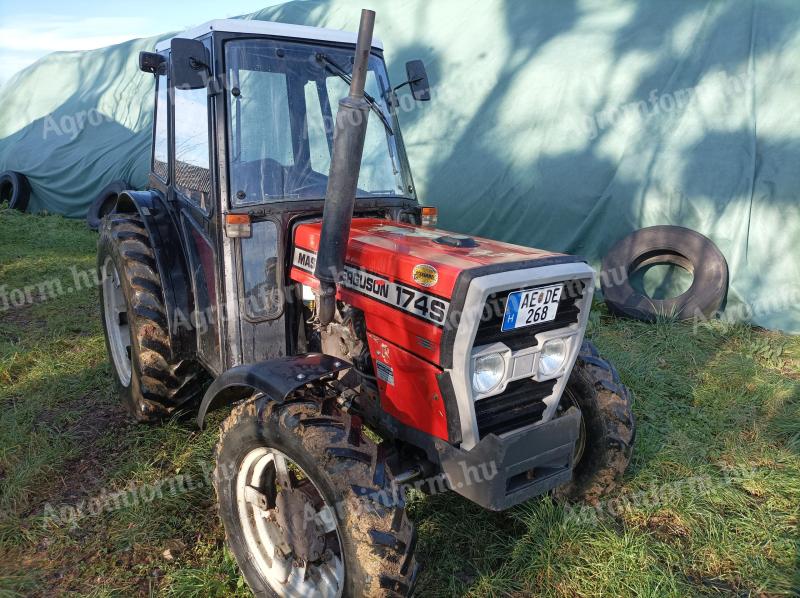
279, 265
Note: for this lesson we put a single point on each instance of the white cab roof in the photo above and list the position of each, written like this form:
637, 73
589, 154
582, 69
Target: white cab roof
270, 28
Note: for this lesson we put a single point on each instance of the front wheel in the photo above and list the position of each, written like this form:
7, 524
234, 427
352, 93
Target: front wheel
605, 442
308, 505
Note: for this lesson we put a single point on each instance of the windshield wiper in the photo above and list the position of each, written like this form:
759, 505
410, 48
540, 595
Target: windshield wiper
342, 74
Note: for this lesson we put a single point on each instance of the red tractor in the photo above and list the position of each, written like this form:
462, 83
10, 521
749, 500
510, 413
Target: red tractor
280, 253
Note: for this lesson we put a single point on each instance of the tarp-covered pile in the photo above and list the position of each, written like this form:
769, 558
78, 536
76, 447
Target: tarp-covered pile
563, 125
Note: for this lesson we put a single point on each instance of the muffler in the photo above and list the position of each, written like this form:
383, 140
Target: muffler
348, 148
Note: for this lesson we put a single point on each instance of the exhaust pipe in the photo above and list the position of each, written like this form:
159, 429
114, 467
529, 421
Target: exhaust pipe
348, 148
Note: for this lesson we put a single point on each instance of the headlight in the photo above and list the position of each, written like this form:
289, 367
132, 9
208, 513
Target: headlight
487, 372
552, 356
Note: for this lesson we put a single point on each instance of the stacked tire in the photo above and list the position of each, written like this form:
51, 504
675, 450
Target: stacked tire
15, 189
105, 203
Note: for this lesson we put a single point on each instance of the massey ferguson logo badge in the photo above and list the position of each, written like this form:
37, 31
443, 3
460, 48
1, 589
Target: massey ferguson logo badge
306, 260
425, 275
396, 294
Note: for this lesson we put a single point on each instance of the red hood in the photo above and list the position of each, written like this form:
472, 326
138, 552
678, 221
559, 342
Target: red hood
394, 250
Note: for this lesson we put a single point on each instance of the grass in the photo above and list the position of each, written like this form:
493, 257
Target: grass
710, 504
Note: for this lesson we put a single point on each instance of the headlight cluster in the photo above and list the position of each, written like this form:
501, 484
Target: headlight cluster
487, 372
552, 356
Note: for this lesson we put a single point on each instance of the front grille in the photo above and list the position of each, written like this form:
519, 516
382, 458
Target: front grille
521, 404
489, 328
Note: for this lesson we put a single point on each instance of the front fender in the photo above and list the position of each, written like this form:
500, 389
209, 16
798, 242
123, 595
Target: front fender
276, 378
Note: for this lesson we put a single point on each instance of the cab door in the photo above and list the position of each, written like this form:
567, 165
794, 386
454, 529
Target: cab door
194, 194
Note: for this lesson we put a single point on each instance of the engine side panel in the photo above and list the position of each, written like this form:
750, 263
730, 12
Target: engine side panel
409, 388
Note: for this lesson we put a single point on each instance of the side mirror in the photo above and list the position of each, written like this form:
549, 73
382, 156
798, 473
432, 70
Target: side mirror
418, 80
189, 64
152, 63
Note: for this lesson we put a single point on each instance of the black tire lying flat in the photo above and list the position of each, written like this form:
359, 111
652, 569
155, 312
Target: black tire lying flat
104, 203
15, 189
665, 245
377, 540
157, 382
608, 428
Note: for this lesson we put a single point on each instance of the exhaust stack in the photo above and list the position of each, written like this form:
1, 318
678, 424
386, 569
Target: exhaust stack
348, 148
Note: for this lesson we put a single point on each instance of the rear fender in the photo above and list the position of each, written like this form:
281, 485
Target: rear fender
276, 378
171, 265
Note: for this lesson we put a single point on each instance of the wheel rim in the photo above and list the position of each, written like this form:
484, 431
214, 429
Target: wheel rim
580, 445
263, 475
115, 310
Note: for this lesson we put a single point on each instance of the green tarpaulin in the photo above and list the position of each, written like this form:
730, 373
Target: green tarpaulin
560, 124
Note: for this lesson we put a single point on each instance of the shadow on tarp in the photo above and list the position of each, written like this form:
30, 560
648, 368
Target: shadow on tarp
524, 141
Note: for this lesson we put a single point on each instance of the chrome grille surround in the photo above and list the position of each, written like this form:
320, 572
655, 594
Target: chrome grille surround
521, 363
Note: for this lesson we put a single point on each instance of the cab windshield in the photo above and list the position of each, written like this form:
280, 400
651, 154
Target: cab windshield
282, 103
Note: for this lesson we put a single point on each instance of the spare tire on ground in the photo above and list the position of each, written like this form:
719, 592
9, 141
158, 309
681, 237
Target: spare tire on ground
15, 189
672, 245
104, 203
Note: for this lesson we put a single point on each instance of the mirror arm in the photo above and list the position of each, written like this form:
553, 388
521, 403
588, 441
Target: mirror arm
409, 82
214, 86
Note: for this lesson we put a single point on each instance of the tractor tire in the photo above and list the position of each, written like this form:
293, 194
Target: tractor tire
346, 472
151, 380
15, 189
608, 428
674, 245
104, 203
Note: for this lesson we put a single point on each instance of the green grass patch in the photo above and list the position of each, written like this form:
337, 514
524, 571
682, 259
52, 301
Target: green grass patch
710, 504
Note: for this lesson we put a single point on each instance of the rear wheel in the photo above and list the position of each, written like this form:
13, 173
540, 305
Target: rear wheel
151, 380
607, 433
307, 503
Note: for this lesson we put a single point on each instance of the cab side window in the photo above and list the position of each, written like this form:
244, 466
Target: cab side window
192, 170
160, 160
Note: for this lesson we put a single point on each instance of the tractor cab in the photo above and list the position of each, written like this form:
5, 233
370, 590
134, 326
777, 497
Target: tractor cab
242, 146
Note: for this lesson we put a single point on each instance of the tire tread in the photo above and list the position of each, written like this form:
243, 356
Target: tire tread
383, 570
166, 381
615, 422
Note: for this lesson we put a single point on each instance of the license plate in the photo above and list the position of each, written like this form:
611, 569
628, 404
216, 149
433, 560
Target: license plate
534, 306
